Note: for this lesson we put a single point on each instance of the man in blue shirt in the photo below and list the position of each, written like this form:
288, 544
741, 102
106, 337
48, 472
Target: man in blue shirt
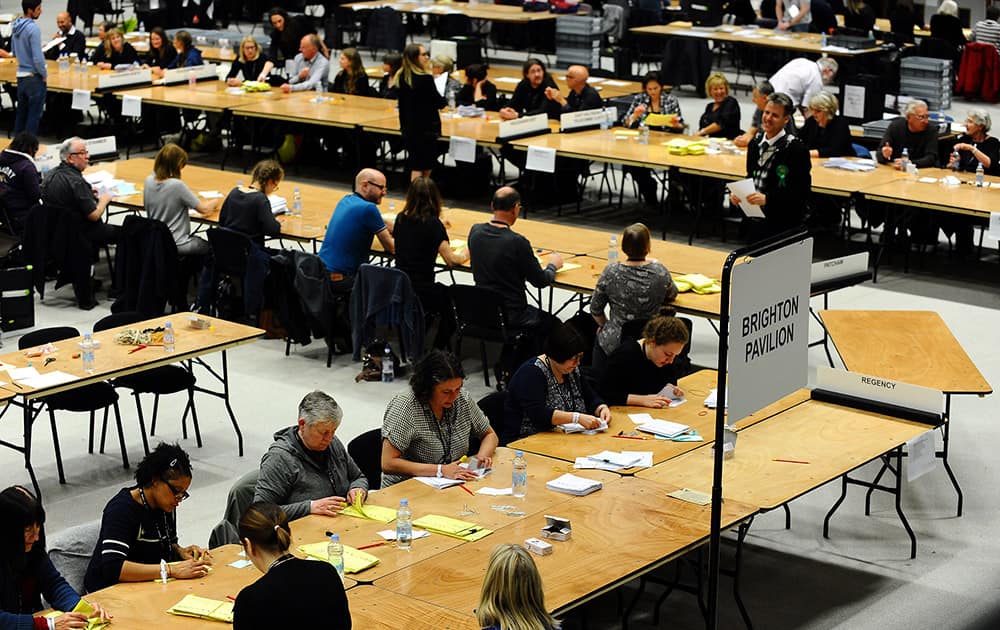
355, 220
26, 44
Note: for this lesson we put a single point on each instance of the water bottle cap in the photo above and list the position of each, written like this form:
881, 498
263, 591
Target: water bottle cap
168, 325
403, 502
520, 453
334, 537
86, 335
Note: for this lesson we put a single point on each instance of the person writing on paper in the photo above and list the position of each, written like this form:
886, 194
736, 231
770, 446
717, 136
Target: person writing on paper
251, 62
548, 390
119, 52
639, 369
512, 595
825, 133
779, 165
529, 95
631, 289
307, 470
913, 132
27, 574
74, 42
139, 526
581, 95
309, 68
426, 430
264, 605
166, 198
420, 238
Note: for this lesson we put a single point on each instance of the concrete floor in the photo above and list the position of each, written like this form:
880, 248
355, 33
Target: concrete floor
860, 578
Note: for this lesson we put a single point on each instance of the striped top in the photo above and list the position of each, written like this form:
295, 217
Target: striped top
986, 32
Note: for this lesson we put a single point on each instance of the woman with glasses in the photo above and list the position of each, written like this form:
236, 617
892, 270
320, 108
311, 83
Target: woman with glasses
640, 369
548, 391
266, 537
426, 430
27, 574
138, 540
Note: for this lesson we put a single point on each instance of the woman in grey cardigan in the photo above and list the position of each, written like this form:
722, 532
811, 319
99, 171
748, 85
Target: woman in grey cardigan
307, 470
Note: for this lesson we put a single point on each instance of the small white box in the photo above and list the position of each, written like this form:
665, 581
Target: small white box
538, 546
557, 528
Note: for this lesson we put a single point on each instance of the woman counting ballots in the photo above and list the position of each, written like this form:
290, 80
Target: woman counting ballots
639, 369
138, 539
27, 574
426, 430
548, 390
268, 603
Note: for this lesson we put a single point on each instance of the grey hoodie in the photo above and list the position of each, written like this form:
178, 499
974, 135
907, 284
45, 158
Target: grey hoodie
290, 476
26, 45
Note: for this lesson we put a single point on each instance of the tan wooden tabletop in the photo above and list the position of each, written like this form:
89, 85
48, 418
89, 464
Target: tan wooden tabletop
914, 347
832, 439
963, 199
481, 11
808, 43
336, 110
209, 96
373, 608
631, 518
483, 130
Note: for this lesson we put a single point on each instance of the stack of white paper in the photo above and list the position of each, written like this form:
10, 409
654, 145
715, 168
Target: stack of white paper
712, 400
439, 483
279, 205
576, 427
664, 428
571, 484
609, 460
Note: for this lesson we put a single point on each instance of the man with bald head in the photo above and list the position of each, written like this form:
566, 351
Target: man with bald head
309, 68
349, 234
581, 96
74, 42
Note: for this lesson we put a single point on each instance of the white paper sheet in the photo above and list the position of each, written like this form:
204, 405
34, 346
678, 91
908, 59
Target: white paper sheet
131, 105
17, 374
640, 418
495, 492
743, 189
854, 101
240, 564
541, 159
81, 100
48, 379
462, 149
920, 456
645, 458
434, 482
390, 534
994, 231
210, 194
52, 44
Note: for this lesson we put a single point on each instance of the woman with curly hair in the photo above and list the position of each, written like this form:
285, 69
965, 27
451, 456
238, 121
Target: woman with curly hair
426, 430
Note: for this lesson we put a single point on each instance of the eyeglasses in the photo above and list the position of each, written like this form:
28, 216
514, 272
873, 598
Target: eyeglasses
180, 495
381, 187
84, 152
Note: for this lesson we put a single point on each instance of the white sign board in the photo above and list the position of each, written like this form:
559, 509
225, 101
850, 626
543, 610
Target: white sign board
104, 145
880, 390
769, 328
854, 101
994, 231
523, 126
131, 105
81, 100
141, 76
541, 159
826, 270
921, 456
586, 118
462, 149
181, 75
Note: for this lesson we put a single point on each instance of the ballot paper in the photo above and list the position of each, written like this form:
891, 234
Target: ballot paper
279, 205
541, 159
131, 105
664, 428
743, 189
576, 427
439, 482
390, 534
571, 484
668, 392
495, 492
81, 100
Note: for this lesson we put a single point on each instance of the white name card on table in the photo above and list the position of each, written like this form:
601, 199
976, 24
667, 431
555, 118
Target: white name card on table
920, 455
994, 231
541, 159
523, 126
180, 75
141, 76
131, 105
834, 268
880, 390
105, 145
81, 100
586, 118
462, 149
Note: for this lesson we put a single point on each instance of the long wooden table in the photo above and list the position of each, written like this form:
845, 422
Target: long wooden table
208, 96
908, 190
480, 12
112, 360
801, 43
337, 110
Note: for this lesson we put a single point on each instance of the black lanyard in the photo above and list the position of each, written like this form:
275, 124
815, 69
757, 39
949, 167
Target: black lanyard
567, 405
161, 533
446, 458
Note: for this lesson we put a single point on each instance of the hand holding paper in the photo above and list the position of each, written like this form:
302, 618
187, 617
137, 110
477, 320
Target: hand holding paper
745, 194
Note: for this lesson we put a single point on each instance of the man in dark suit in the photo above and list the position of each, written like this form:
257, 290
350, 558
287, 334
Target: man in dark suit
74, 42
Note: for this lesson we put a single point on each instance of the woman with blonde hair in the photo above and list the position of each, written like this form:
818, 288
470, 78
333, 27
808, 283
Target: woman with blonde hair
117, 51
512, 597
722, 116
251, 61
352, 78
825, 133
419, 115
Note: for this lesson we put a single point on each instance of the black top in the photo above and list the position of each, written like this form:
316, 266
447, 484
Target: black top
902, 22
294, 593
832, 140
19, 182
588, 98
129, 531
417, 244
863, 20
922, 146
727, 116
64, 187
785, 179
990, 146
384, 91
502, 260
249, 213
74, 44
127, 56
628, 371
488, 102
419, 106
948, 28
285, 44
529, 101
153, 60
361, 85
251, 69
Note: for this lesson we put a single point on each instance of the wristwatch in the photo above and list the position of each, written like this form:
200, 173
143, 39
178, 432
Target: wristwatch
439, 473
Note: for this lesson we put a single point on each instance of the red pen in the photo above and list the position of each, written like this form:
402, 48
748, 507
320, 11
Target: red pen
230, 598
462, 486
137, 348
629, 437
378, 544
789, 461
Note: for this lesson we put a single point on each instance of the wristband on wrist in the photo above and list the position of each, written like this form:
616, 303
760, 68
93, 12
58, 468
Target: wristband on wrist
576, 416
439, 473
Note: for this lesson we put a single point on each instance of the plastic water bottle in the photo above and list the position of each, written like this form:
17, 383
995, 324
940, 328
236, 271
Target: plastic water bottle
904, 161
605, 123
452, 108
63, 64
319, 92
192, 79
335, 554
955, 163
142, 27
87, 352
404, 525
613, 250
643, 133
388, 375
297, 202
979, 175
822, 40
519, 476
168, 338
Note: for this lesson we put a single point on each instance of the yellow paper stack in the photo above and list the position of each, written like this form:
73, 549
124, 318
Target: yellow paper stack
369, 512
203, 608
453, 527
663, 120
83, 606
698, 283
354, 561
680, 146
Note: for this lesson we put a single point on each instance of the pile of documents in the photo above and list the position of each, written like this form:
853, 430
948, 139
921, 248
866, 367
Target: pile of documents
576, 427
698, 283
279, 205
571, 484
203, 608
712, 400
104, 183
610, 460
680, 146
369, 512
447, 526
663, 428
83, 606
850, 165
355, 561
